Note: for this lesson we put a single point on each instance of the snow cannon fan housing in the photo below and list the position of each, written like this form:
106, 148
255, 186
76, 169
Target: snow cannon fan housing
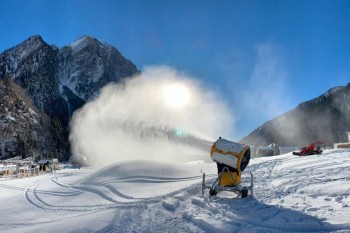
234, 156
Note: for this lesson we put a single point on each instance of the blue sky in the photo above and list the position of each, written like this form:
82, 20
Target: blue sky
264, 57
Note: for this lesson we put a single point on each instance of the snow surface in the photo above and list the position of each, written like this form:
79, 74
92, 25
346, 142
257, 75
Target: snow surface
291, 194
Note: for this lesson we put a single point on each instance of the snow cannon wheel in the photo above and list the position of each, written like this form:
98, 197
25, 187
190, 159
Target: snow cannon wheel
244, 192
212, 192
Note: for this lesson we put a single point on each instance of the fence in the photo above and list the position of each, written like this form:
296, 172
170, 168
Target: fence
11, 171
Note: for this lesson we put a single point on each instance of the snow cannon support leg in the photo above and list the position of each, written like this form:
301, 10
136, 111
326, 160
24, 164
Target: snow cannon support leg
203, 184
216, 187
251, 184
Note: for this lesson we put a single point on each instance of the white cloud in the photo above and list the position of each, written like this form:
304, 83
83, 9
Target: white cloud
266, 93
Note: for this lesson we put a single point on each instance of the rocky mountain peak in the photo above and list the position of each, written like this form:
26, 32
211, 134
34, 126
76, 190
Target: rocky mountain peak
36, 38
87, 64
32, 42
59, 81
29, 45
10, 59
85, 42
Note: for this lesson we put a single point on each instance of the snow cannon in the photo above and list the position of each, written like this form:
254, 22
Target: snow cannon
234, 156
231, 158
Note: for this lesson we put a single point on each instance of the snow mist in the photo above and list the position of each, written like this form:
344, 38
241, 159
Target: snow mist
158, 115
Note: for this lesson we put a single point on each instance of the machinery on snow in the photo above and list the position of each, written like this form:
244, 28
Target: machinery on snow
312, 149
231, 159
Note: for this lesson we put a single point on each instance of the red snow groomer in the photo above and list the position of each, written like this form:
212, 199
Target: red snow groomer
312, 149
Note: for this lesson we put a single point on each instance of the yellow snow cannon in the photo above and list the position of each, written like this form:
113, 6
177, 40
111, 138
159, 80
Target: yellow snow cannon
231, 158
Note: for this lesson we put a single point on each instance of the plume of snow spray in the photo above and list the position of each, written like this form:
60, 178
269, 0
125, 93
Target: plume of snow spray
157, 115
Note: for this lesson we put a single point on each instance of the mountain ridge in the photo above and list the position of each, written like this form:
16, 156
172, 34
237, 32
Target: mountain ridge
61, 80
325, 118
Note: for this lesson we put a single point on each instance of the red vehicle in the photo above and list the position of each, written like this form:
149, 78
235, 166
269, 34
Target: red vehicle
312, 149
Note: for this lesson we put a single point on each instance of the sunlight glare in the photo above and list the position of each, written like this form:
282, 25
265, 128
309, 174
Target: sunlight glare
176, 95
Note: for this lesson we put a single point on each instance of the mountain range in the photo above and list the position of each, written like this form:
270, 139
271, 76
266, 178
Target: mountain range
60, 80
42, 85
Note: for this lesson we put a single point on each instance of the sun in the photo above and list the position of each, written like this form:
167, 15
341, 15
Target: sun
176, 95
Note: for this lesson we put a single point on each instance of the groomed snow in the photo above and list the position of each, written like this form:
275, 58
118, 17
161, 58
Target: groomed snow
291, 194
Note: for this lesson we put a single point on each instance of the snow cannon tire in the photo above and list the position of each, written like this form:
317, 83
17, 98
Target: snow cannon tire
244, 192
212, 192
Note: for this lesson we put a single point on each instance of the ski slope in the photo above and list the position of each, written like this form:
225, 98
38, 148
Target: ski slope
291, 194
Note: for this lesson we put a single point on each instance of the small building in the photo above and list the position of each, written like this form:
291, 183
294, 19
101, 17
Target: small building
287, 149
44, 165
264, 151
343, 144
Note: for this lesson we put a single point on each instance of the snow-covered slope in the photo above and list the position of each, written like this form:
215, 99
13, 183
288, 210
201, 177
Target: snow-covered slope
292, 194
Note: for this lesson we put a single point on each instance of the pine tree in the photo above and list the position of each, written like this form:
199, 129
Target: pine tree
57, 132
21, 147
7, 80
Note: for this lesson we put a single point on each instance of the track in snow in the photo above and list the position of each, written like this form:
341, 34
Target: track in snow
107, 195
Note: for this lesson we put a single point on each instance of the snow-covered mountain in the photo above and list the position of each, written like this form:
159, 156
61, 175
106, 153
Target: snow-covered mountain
33, 65
325, 118
59, 81
86, 65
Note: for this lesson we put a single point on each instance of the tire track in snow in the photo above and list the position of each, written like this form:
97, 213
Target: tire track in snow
11, 187
32, 195
102, 188
94, 189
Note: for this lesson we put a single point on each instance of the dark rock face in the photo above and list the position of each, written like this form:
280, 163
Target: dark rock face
33, 65
85, 66
325, 118
59, 81
24, 130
